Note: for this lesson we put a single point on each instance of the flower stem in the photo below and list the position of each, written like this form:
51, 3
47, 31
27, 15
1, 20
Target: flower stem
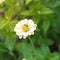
31, 41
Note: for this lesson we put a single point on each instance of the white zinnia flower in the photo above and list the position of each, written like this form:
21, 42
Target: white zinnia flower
25, 28
1, 1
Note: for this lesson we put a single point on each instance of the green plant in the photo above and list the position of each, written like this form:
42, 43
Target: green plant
46, 14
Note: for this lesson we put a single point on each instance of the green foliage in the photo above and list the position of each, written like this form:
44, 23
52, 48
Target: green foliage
28, 1
46, 14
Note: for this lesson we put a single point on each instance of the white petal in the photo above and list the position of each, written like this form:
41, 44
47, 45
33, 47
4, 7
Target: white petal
20, 36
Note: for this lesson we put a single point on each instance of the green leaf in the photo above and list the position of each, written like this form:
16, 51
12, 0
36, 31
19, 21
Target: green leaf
30, 53
10, 42
45, 25
7, 18
42, 52
27, 13
3, 23
26, 49
51, 3
36, 18
11, 25
9, 13
39, 40
5, 56
55, 56
45, 11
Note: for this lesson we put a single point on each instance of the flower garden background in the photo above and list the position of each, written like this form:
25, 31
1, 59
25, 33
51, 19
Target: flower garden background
29, 29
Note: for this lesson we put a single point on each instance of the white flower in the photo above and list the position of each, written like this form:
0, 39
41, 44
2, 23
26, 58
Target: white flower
25, 28
23, 58
1, 1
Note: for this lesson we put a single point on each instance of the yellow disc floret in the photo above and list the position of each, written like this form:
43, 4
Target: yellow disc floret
25, 28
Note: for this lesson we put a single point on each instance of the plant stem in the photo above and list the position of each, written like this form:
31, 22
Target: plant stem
12, 55
31, 41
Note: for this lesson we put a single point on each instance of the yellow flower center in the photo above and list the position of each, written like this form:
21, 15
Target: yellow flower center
25, 28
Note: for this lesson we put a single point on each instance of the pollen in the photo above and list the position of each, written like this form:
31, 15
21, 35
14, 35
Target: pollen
25, 28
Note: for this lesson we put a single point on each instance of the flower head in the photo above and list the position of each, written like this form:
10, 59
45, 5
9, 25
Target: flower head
25, 28
1, 1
